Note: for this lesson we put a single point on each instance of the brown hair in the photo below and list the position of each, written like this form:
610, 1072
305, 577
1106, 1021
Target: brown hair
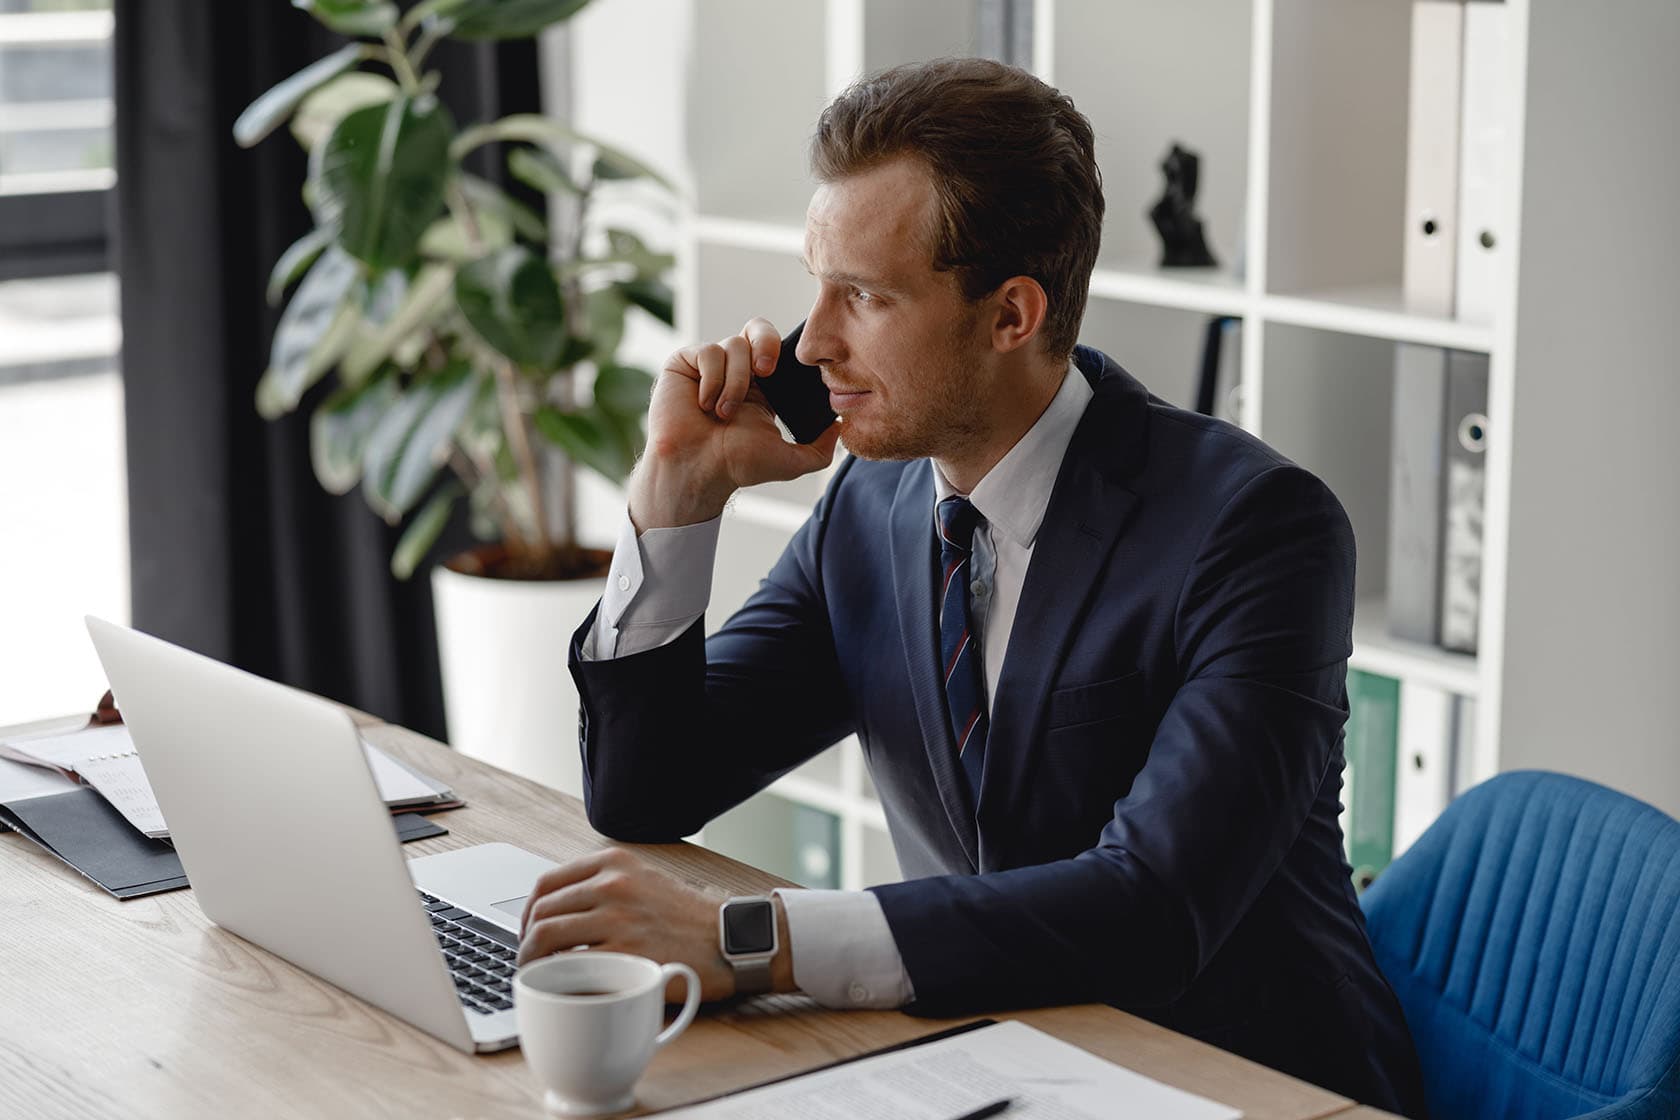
1013, 167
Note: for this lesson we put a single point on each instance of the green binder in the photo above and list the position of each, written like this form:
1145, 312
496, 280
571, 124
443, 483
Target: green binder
1373, 732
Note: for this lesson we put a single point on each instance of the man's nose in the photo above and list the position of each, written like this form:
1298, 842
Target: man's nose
818, 342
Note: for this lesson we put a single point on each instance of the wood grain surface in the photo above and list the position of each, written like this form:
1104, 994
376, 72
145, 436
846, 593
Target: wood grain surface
146, 1009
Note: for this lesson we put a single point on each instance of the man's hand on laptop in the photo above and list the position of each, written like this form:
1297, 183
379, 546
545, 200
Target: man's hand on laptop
616, 901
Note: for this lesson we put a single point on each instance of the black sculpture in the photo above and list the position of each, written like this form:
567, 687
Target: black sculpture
1183, 245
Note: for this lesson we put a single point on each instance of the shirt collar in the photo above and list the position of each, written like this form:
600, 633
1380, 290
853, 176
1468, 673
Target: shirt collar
1013, 495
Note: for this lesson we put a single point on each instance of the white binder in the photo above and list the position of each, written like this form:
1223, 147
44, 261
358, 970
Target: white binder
1423, 774
1485, 123
1432, 153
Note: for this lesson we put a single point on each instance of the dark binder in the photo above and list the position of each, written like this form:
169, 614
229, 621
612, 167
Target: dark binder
1463, 494
81, 828
1415, 491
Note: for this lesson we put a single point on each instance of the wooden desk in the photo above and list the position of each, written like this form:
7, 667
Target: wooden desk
145, 1009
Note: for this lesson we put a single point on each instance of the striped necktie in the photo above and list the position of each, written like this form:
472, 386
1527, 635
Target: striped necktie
965, 688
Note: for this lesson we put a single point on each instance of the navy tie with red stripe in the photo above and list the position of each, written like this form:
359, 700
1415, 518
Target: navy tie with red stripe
965, 686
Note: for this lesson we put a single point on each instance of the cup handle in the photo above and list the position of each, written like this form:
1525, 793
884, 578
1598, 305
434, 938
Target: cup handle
691, 1001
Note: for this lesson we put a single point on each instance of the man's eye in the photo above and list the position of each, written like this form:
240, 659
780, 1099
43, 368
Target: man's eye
862, 296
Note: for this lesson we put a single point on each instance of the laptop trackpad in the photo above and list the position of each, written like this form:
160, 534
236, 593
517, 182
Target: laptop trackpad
514, 906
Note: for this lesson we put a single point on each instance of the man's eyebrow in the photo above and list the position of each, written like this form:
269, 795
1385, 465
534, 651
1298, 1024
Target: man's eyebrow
870, 283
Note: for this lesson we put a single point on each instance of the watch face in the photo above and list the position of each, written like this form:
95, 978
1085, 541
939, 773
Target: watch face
749, 927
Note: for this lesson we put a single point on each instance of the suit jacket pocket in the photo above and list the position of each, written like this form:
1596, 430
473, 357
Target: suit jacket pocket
1095, 702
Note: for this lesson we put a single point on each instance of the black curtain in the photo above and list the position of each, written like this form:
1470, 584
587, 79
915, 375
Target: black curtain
236, 550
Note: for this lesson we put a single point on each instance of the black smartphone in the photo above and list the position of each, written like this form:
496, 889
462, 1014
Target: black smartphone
796, 393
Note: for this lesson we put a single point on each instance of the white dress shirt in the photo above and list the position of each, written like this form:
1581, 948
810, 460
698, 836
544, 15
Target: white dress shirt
843, 950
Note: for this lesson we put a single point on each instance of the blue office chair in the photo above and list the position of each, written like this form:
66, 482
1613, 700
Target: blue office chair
1533, 936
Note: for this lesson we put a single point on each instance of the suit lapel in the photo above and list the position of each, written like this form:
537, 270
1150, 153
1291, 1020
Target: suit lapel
1088, 509
913, 564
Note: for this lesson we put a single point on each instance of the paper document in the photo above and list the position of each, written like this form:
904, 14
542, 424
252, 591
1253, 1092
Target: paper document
1048, 1079
105, 758
19, 782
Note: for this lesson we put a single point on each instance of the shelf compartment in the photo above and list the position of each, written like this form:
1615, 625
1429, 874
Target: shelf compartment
1148, 74
1159, 346
758, 170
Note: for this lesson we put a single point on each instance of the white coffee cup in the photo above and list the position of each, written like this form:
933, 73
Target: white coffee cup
589, 1025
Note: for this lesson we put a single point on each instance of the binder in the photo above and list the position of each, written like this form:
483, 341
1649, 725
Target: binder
1464, 496
86, 832
1424, 767
1484, 135
1371, 742
1432, 153
1219, 381
1415, 480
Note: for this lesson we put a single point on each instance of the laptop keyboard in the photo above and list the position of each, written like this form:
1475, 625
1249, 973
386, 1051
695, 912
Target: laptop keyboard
480, 955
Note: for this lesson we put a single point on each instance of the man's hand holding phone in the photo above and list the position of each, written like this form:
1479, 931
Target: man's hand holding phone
711, 431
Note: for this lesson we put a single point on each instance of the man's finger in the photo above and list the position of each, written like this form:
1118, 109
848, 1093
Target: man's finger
713, 362
766, 345
577, 898
563, 876
738, 375
554, 935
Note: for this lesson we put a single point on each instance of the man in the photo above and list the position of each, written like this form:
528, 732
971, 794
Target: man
1094, 646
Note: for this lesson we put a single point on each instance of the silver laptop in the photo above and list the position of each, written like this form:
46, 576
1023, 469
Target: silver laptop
281, 831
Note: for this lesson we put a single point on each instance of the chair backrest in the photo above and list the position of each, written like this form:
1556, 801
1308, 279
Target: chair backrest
1533, 937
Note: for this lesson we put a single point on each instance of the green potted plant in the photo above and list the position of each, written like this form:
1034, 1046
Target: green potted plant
470, 349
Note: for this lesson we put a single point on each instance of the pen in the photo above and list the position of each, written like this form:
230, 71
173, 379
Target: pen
986, 1110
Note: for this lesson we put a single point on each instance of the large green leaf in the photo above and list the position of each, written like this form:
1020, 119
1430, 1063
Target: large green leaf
509, 19
487, 197
320, 112
316, 314
421, 300
604, 308
339, 431
590, 437
513, 302
264, 114
298, 256
627, 247
423, 531
540, 169
653, 296
446, 239
533, 128
381, 178
352, 17
623, 391
413, 439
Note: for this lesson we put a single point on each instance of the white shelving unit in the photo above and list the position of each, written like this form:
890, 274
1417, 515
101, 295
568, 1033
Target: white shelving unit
1298, 108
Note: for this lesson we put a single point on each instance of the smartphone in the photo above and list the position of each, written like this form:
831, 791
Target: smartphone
796, 393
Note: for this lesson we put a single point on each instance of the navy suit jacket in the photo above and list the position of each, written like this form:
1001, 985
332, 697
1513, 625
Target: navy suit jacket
1157, 823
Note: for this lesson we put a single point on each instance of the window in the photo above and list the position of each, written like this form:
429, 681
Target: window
63, 501
56, 156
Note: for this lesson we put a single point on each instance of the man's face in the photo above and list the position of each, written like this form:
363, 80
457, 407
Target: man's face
902, 353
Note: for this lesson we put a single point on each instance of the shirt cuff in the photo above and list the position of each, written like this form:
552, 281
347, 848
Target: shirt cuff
658, 585
844, 955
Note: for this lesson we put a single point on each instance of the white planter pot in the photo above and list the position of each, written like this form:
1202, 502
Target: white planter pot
508, 696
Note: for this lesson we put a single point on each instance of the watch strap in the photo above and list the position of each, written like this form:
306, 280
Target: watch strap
752, 977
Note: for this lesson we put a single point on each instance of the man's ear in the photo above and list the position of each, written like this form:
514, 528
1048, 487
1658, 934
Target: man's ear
1019, 307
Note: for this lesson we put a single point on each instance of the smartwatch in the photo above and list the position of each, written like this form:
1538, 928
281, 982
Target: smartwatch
747, 936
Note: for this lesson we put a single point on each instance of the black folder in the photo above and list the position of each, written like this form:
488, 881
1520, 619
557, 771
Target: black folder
81, 828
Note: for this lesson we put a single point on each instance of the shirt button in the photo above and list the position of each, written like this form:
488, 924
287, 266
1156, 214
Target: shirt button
978, 587
858, 992
624, 583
